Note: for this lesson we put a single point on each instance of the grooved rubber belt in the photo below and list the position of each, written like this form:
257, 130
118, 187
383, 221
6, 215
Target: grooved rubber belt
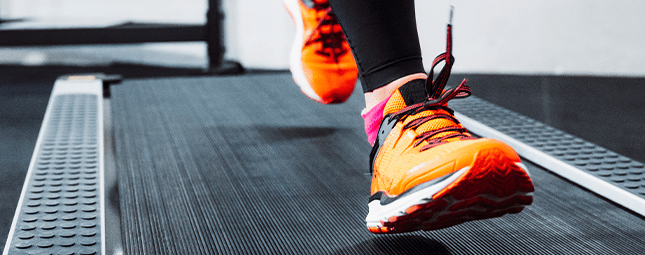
249, 165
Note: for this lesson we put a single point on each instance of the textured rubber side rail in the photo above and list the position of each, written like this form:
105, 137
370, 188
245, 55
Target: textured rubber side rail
60, 210
606, 173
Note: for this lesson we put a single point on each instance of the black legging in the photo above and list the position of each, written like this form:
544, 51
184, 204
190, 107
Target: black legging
383, 37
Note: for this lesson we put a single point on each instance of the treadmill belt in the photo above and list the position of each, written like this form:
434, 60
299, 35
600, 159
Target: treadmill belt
249, 165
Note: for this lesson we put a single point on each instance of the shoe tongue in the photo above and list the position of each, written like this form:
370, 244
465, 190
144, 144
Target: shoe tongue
413, 92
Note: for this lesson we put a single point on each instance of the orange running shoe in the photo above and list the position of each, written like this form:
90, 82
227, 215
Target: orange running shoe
321, 61
429, 172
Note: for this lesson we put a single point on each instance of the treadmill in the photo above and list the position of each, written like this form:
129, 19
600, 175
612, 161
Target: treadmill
247, 165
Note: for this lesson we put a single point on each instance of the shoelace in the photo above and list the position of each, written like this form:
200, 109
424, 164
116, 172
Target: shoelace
329, 34
438, 100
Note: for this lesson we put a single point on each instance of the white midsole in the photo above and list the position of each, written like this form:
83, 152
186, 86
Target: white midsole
378, 212
381, 213
295, 64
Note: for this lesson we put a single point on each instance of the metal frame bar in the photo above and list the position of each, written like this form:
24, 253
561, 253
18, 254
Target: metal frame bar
108, 35
211, 33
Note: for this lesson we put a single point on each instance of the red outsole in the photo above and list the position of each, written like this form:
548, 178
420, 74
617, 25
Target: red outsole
493, 186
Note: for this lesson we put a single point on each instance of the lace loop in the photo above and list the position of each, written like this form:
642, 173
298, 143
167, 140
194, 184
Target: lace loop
438, 100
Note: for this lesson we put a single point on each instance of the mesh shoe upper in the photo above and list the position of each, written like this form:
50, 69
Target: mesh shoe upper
429, 172
423, 144
424, 141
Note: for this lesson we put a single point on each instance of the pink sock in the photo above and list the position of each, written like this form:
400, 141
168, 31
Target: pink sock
373, 120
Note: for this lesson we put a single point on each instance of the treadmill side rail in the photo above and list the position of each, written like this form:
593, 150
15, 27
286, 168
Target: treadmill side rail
61, 206
603, 172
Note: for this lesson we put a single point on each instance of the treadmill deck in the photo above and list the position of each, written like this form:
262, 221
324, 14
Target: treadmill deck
249, 165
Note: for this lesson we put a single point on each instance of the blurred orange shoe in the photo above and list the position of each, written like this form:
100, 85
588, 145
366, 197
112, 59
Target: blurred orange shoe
429, 172
321, 60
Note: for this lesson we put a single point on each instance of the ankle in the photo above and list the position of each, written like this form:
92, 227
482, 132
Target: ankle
372, 118
378, 95
376, 100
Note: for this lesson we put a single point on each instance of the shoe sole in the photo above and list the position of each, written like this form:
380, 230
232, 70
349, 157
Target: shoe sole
492, 186
295, 57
